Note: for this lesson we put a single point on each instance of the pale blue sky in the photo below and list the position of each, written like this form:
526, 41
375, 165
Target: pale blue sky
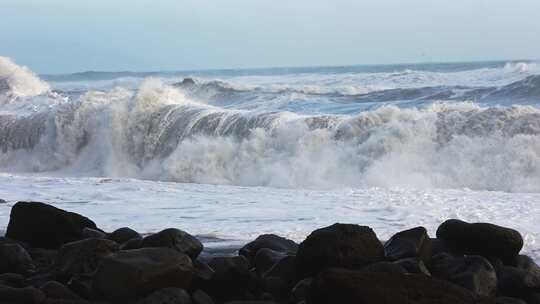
55, 36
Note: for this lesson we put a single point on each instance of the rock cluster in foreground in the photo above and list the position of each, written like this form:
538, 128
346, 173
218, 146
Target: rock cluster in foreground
53, 256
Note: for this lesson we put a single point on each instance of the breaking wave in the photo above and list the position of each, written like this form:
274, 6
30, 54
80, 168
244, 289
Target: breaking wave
161, 132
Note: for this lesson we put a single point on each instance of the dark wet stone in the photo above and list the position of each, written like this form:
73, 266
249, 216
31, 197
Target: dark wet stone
83, 257
412, 243
14, 258
387, 267
123, 235
232, 279
343, 286
167, 296
201, 297
281, 278
266, 258
488, 240
340, 245
508, 300
134, 243
268, 241
27, 295
176, 239
89, 233
413, 265
132, 273
43, 258
474, 273
519, 280
57, 290
300, 290
15, 280
44, 226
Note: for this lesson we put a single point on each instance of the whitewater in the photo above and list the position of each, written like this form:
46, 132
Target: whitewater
230, 154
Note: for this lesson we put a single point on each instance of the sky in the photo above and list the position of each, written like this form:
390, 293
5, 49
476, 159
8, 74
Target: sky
64, 36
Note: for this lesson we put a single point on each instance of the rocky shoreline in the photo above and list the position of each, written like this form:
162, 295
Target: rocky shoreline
49, 255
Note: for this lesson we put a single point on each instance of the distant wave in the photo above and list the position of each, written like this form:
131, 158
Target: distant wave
162, 132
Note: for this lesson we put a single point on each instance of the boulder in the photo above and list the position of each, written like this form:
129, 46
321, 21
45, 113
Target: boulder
133, 273
12, 280
519, 280
474, 273
352, 287
508, 300
43, 258
89, 233
44, 226
166, 296
340, 245
281, 278
265, 259
300, 290
82, 257
57, 290
387, 267
201, 297
412, 243
176, 239
488, 240
14, 258
268, 241
123, 235
232, 279
413, 265
27, 295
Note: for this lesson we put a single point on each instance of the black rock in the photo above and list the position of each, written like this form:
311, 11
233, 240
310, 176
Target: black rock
232, 279
2, 201
27, 295
82, 257
413, 265
57, 290
343, 286
488, 240
89, 233
387, 267
201, 297
123, 235
43, 258
300, 290
12, 280
340, 245
412, 243
508, 300
519, 280
281, 278
472, 272
266, 258
134, 243
44, 226
14, 258
176, 239
166, 296
132, 273
268, 241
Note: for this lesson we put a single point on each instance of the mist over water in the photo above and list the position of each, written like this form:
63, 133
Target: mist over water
431, 126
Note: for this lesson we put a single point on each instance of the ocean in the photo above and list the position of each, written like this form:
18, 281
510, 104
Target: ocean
231, 154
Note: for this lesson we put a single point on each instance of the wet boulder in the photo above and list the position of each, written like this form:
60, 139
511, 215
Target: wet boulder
386, 267
488, 240
281, 278
519, 280
167, 295
132, 273
265, 259
27, 295
14, 258
201, 297
339, 245
44, 226
176, 239
508, 300
413, 265
412, 243
232, 279
353, 287
122, 235
474, 273
82, 257
57, 290
268, 241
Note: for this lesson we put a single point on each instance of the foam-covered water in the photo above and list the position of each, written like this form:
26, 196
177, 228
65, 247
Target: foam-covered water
457, 130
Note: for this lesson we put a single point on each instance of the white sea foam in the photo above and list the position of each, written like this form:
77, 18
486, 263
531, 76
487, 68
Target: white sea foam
19, 81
